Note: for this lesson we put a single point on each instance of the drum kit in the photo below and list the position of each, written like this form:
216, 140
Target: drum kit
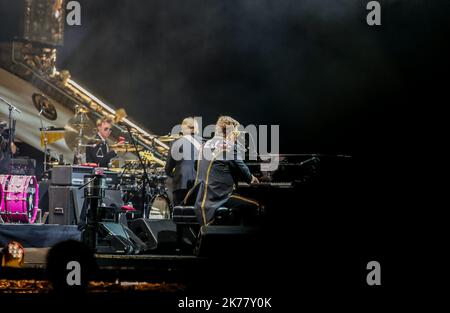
19, 198
157, 202
19, 195
125, 147
79, 134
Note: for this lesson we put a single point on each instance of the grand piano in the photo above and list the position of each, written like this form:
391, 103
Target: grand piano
297, 180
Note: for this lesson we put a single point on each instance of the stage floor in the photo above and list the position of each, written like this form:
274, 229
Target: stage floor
142, 275
38, 235
38, 239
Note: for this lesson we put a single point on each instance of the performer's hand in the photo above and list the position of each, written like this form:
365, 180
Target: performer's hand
121, 140
254, 180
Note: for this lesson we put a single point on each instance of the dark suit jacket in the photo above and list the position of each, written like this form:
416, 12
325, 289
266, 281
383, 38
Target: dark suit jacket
216, 176
100, 153
182, 170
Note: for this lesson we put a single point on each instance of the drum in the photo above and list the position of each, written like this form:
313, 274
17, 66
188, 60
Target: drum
21, 199
159, 207
3, 185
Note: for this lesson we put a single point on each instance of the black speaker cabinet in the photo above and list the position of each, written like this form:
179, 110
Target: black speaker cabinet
65, 204
157, 234
43, 195
221, 240
67, 175
118, 239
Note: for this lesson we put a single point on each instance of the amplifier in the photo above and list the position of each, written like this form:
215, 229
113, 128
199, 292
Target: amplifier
112, 179
65, 204
23, 166
70, 175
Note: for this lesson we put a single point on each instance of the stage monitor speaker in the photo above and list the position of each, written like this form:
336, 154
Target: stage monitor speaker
65, 204
117, 238
229, 241
158, 235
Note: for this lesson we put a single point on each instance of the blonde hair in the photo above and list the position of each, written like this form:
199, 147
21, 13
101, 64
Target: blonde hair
105, 119
225, 125
189, 126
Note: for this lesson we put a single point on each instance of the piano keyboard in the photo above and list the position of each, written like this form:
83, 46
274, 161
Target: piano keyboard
266, 184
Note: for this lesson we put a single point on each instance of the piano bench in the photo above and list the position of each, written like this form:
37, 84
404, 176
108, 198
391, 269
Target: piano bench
186, 221
227, 216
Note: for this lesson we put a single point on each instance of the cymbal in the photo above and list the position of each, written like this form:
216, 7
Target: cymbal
125, 147
80, 130
44, 106
150, 158
116, 169
168, 138
119, 115
82, 110
161, 149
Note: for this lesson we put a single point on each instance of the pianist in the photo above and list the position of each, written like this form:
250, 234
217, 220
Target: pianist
217, 173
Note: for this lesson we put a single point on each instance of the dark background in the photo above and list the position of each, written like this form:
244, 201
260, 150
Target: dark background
315, 68
332, 83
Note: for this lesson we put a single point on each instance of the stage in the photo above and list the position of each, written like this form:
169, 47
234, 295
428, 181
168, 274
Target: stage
114, 272
133, 276
37, 235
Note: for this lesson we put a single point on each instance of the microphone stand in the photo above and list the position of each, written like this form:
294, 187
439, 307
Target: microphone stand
145, 178
44, 130
11, 139
91, 212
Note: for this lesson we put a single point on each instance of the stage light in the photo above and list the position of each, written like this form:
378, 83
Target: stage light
13, 255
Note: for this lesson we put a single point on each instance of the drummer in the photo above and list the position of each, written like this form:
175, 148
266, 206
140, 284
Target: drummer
101, 152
